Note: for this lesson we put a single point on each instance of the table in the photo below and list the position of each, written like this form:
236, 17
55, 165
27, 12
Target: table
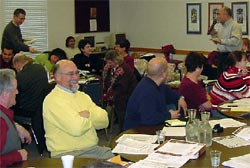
203, 160
52, 162
227, 111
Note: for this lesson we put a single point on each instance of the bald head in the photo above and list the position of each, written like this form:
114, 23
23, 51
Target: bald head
66, 74
157, 66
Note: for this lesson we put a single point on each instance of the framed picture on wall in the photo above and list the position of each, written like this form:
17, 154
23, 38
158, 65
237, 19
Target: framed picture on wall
213, 11
240, 15
193, 18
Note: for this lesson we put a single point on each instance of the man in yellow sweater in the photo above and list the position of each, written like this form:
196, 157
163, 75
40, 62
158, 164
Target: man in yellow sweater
71, 118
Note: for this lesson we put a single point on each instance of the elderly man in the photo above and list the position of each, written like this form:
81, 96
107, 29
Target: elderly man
10, 145
227, 35
12, 35
148, 103
6, 58
71, 118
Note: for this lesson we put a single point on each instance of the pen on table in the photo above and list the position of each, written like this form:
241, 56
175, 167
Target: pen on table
232, 106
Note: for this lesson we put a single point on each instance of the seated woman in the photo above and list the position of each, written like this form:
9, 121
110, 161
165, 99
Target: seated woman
48, 60
191, 88
84, 60
118, 82
233, 83
70, 49
122, 47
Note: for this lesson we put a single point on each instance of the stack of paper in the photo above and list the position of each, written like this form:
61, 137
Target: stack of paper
240, 161
136, 144
175, 153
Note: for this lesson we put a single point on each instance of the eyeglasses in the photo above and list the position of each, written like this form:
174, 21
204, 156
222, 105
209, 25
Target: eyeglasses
71, 73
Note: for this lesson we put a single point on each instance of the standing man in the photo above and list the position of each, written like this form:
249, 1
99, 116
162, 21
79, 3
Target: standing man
71, 117
11, 133
150, 101
6, 58
12, 35
227, 36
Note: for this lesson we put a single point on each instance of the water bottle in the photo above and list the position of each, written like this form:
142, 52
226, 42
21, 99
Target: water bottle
205, 130
192, 129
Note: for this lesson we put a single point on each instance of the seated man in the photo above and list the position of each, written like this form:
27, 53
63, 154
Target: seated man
10, 145
6, 58
71, 118
33, 86
148, 103
48, 60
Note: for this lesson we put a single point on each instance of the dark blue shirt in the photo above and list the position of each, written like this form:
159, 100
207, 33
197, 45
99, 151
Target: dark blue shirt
147, 104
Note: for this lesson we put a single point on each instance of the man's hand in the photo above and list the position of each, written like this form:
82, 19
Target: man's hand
84, 114
213, 32
23, 153
216, 40
24, 135
32, 50
182, 104
174, 114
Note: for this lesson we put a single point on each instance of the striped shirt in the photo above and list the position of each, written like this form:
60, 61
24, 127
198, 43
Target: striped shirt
230, 85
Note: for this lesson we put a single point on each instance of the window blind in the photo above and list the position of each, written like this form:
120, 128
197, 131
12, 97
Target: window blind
35, 25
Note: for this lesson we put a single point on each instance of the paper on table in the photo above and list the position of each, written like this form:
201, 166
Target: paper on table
231, 141
181, 148
240, 161
174, 131
138, 137
131, 146
226, 122
243, 132
161, 160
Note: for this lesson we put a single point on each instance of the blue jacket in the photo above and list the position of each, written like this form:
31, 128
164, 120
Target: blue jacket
147, 104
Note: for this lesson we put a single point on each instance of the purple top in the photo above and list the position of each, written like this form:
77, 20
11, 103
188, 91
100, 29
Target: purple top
194, 94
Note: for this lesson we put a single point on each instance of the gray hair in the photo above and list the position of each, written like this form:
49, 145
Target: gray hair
6, 77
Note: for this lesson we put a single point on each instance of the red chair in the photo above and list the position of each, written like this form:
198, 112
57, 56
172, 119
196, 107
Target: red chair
168, 51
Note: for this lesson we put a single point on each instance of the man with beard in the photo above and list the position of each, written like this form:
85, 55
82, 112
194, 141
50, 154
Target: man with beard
71, 118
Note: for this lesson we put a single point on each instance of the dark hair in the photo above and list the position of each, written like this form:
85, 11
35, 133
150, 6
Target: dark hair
8, 47
228, 11
82, 43
59, 53
232, 59
67, 40
194, 60
123, 43
18, 11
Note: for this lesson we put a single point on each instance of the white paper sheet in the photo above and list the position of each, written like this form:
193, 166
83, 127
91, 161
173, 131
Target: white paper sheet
231, 141
174, 131
138, 137
226, 123
240, 161
131, 146
243, 132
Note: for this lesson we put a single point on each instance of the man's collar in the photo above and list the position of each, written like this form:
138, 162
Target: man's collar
63, 88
